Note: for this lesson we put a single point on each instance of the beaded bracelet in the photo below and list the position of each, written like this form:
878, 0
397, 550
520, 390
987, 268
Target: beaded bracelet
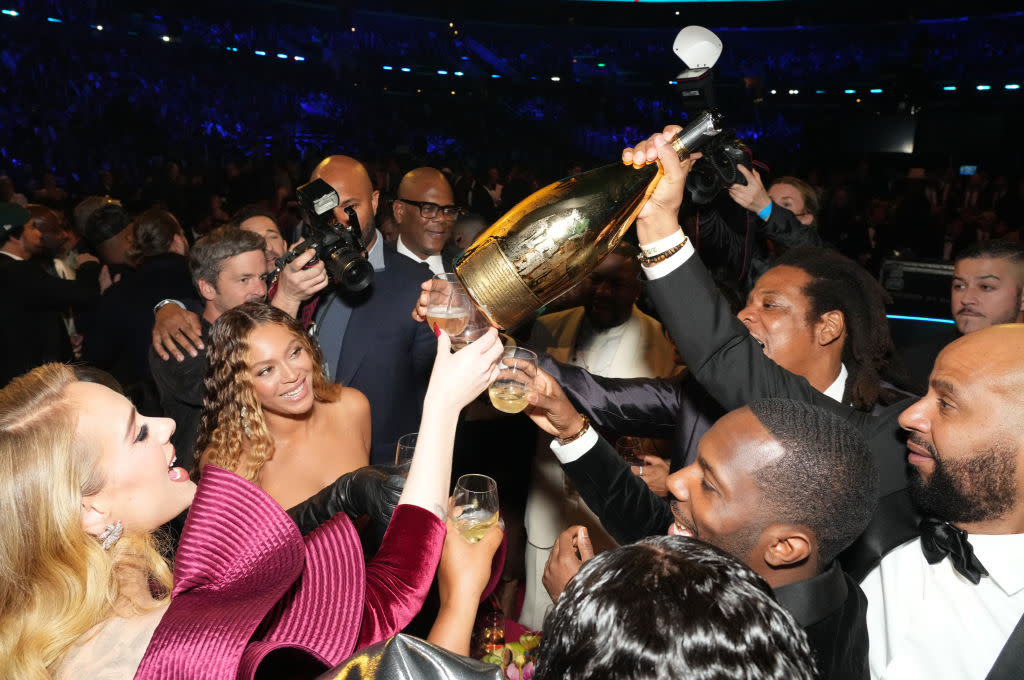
661, 257
583, 429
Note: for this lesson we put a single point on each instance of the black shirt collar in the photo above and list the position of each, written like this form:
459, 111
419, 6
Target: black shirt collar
813, 599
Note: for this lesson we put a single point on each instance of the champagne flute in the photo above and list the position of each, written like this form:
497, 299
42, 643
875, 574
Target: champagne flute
517, 371
474, 506
403, 452
449, 306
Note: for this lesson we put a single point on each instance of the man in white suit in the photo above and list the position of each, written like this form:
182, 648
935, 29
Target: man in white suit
608, 336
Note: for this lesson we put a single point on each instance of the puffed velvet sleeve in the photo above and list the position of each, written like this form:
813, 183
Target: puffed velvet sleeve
399, 576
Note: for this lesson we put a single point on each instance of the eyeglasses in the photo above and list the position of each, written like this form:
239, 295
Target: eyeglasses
430, 210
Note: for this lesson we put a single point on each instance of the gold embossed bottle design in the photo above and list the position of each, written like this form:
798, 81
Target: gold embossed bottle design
556, 236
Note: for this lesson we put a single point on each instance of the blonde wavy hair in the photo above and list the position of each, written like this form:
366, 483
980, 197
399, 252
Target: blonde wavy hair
56, 581
230, 401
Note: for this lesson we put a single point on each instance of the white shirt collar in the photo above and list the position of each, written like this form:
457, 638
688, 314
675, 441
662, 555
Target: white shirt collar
434, 261
836, 389
12, 256
375, 255
1001, 555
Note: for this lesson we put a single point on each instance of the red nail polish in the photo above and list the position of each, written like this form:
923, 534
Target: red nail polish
437, 331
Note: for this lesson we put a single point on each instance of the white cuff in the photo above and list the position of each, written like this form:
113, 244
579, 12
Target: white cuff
670, 263
663, 244
574, 450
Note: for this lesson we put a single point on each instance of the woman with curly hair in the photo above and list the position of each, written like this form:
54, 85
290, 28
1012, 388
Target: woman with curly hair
270, 415
86, 480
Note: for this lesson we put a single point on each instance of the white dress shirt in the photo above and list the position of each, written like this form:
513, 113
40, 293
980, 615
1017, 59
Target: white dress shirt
926, 621
434, 261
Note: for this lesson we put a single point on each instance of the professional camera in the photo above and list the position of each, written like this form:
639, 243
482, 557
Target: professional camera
338, 246
717, 169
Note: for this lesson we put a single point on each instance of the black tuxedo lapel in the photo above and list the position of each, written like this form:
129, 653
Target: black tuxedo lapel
1010, 661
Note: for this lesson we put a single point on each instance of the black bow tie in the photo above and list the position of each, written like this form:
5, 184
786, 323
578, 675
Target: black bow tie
939, 539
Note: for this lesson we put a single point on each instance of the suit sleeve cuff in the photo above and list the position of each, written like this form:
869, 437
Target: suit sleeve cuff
671, 263
574, 450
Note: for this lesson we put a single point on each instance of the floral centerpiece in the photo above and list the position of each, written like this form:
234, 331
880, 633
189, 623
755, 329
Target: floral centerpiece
516, 658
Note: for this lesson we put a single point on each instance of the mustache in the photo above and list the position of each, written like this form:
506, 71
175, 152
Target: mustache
917, 440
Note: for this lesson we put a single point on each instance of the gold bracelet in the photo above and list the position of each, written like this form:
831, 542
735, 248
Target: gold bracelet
662, 256
583, 429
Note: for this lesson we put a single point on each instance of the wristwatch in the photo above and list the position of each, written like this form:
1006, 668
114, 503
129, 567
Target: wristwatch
167, 301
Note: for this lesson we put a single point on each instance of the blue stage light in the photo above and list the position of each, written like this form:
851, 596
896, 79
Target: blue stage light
441, 72
9, 12
900, 317
495, 75
459, 73
259, 53
282, 55
875, 90
849, 91
949, 88
673, 82
388, 68
819, 92
54, 20
406, 69
298, 58
1011, 86
983, 88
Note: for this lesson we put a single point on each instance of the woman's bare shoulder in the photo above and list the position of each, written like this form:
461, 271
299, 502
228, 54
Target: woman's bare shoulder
110, 650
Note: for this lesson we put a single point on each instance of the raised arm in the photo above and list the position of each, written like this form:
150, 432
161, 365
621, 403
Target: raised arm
638, 407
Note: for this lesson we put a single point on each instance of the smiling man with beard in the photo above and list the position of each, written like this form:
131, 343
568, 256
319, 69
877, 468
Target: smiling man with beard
944, 605
782, 486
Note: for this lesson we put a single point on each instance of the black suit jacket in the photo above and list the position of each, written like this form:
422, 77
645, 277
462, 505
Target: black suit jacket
733, 369
385, 354
32, 330
831, 608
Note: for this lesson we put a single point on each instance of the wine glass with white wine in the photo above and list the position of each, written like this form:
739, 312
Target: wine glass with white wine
517, 370
474, 507
449, 307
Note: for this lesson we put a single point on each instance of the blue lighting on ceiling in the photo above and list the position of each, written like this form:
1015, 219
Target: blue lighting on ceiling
984, 88
259, 53
949, 88
875, 90
388, 68
282, 55
53, 20
406, 69
1011, 86
495, 75
442, 72
10, 12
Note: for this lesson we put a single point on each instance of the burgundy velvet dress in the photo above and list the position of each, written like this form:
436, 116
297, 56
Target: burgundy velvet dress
250, 591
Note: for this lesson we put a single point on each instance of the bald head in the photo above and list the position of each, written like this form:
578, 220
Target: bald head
424, 190
53, 237
350, 179
992, 356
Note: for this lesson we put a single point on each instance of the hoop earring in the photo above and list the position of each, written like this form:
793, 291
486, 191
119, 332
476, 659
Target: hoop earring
245, 422
111, 534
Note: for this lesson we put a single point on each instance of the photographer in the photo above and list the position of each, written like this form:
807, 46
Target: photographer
774, 220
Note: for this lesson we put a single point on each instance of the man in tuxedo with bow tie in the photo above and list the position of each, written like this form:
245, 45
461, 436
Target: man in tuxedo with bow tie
944, 604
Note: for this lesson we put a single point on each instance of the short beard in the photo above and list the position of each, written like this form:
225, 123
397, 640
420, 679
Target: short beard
978, 489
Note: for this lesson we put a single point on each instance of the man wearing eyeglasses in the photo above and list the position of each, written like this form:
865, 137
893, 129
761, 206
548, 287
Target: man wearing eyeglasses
425, 212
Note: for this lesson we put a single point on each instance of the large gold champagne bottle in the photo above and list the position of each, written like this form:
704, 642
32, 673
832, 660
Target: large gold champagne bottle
553, 238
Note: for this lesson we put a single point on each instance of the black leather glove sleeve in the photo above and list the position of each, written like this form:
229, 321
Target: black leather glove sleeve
373, 490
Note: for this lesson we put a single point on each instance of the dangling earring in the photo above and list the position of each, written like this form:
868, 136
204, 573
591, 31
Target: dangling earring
111, 534
245, 422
